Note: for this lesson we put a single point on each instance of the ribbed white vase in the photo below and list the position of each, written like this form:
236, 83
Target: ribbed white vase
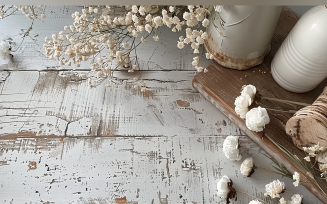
300, 64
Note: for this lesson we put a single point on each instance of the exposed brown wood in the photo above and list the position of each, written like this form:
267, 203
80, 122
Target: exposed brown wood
222, 85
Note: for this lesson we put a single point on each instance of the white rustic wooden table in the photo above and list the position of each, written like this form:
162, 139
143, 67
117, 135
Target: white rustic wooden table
62, 142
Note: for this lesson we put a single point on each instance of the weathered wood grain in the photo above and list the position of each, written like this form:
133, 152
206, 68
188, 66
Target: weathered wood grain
50, 104
61, 142
136, 170
213, 85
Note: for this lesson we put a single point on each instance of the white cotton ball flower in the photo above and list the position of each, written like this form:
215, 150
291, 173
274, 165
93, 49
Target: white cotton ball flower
274, 188
247, 167
5, 50
180, 45
231, 148
255, 202
242, 104
174, 29
256, 119
156, 38
296, 199
196, 51
222, 187
205, 22
208, 55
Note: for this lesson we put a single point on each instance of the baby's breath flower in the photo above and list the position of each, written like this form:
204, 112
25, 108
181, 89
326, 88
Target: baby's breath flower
180, 45
156, 38
296, 177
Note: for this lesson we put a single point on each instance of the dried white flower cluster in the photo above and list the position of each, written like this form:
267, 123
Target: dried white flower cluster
231, 148
5, 48
322, 163
247, 167
256, 118
296, 177
31, 11
274, 188
295, 199
320, 157
243, 101
107, 39
312, 151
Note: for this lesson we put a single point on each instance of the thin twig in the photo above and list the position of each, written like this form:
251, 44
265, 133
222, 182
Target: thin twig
285, 101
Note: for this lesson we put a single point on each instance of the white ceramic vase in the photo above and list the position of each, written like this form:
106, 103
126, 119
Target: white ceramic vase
240, 35
300, 63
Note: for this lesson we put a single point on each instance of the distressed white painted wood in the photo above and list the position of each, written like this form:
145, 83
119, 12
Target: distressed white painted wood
62, 142
142, 169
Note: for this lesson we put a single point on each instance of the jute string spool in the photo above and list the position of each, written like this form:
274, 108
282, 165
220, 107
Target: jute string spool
308, 126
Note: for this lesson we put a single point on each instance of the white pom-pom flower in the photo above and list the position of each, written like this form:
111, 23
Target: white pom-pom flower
230, 148
247, 167
242, 104
256, 119
274, 188
243, 101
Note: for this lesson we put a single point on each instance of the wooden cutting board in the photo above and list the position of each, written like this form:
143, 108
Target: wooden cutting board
221, 86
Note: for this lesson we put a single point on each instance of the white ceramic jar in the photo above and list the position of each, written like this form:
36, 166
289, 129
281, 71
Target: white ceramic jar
240, 35
300, 63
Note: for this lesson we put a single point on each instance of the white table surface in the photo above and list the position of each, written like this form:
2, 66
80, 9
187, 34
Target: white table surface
62, 142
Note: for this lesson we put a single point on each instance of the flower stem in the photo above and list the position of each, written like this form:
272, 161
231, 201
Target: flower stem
270, 171
285, 101
239, 191
287, 111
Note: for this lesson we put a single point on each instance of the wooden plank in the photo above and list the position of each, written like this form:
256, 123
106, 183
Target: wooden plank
54, 103
221, 86
132, 170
